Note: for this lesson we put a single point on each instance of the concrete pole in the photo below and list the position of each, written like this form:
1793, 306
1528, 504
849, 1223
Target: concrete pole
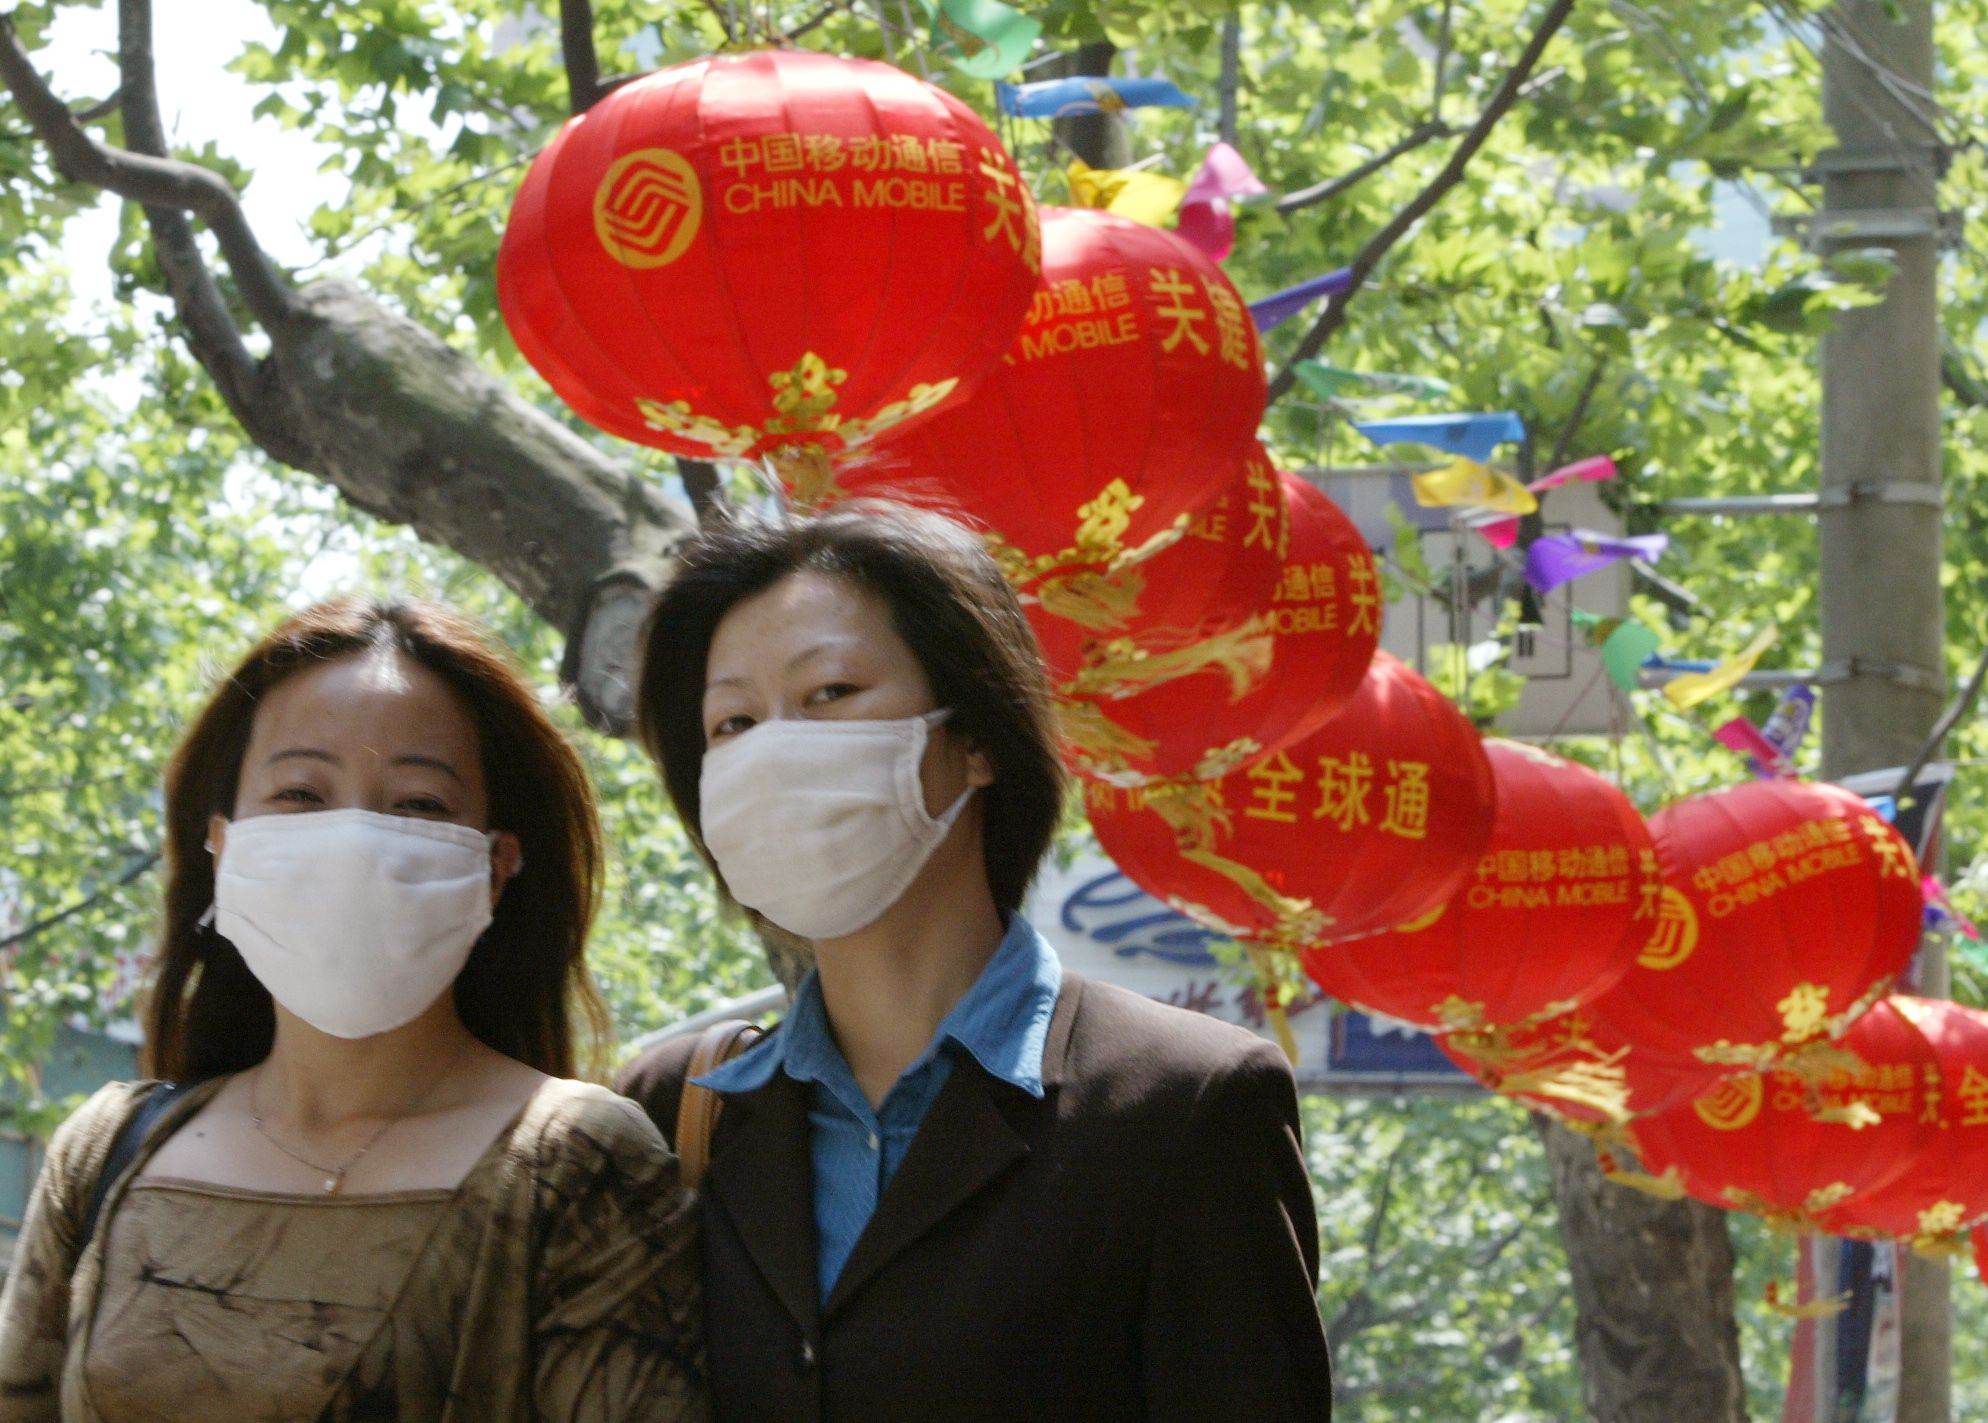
1879, 517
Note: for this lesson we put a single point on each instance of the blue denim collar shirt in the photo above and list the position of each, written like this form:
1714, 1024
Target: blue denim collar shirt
1002, 1022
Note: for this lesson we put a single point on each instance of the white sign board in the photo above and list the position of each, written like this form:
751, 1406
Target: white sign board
1567, 691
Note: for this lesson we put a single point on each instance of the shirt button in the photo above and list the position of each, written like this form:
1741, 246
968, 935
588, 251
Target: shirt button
873, 1141
805, 1361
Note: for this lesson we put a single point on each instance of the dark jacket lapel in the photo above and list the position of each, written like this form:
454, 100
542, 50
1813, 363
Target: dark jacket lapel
762, 1177
975, 1130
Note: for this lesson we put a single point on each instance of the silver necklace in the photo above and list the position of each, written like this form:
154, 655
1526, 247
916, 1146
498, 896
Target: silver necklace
334, 1176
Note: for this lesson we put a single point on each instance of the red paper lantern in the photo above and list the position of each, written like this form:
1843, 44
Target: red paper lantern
1121, 409
1375, 818
768, 253
1316, 634
1563, 900
1796, 1148
1788, 908
1942, 1193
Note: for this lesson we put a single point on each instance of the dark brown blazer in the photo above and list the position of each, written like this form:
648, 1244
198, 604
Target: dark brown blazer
1140, 1244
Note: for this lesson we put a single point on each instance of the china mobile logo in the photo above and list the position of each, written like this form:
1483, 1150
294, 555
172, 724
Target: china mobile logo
648, 208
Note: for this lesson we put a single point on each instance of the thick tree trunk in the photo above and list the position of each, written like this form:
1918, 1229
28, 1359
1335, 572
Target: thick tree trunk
1653, 1291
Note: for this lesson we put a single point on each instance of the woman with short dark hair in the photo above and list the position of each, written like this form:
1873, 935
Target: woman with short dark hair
957, 1182
369, 1188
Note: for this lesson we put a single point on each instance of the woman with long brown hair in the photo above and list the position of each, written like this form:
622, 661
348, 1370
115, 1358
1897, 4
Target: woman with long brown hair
366, 1185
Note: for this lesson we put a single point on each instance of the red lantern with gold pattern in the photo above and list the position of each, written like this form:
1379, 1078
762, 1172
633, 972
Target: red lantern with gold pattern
1315, 635
1563, 900
1122, 408
1942, 1193
1377, 817
768, 253
1788, 909
1797, 1148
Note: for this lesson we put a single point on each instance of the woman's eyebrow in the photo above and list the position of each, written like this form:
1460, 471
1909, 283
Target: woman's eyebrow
432, 762
302, 753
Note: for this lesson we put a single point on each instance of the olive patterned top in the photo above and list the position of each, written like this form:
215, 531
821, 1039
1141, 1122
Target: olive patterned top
558, 1281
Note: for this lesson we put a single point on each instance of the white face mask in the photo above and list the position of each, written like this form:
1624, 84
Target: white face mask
821, 825
353, 921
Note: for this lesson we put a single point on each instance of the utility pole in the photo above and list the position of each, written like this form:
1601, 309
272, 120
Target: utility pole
1879, 506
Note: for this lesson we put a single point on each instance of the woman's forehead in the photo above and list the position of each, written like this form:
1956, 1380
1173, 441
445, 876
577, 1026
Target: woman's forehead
372, 697
802, 612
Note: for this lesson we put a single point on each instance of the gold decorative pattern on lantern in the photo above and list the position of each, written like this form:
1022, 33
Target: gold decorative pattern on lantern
1219, 761
677, 418
805, 396
1804, 1012
1098, 742
921, 398
1667, 1187
1940, 1218
1122, 667
1783, 1220
1731, 1104
1457, 1014
1294, 922
648, 208
1675, 936
1811, 1058
1424, 922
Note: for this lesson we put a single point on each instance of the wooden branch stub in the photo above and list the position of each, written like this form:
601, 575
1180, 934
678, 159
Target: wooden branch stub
603, 646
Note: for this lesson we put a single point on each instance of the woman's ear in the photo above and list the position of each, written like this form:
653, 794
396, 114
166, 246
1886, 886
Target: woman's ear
979, 769
507, 857
217, 833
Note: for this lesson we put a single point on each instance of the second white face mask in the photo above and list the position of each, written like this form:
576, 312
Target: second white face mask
355, 922
821, 825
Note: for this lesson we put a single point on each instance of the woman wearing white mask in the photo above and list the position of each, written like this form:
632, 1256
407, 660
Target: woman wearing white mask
368, 1188
957, 1183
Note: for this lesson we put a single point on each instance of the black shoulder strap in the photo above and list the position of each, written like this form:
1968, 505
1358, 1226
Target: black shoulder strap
125, 1149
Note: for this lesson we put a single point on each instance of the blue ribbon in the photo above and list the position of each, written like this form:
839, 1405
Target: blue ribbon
1060, 98
1472, 437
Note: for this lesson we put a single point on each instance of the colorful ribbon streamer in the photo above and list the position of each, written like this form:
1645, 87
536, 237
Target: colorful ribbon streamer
1503, 533
982, 39
1467, 482
1136, 193
1205, 216
1625, 650
1280, 307
1561, 558
1327, 382
1473, 436
1692, 688
1063, 98
1762, 755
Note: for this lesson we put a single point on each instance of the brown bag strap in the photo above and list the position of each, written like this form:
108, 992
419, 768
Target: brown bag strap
698, 1107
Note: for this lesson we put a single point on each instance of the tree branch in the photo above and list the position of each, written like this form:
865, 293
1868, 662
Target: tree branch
83, 905
168, 189
1563, 444
1230, 89
1422, 133
583, 65
267, 292
1467, 147
404, 426
700, 482
814, 21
